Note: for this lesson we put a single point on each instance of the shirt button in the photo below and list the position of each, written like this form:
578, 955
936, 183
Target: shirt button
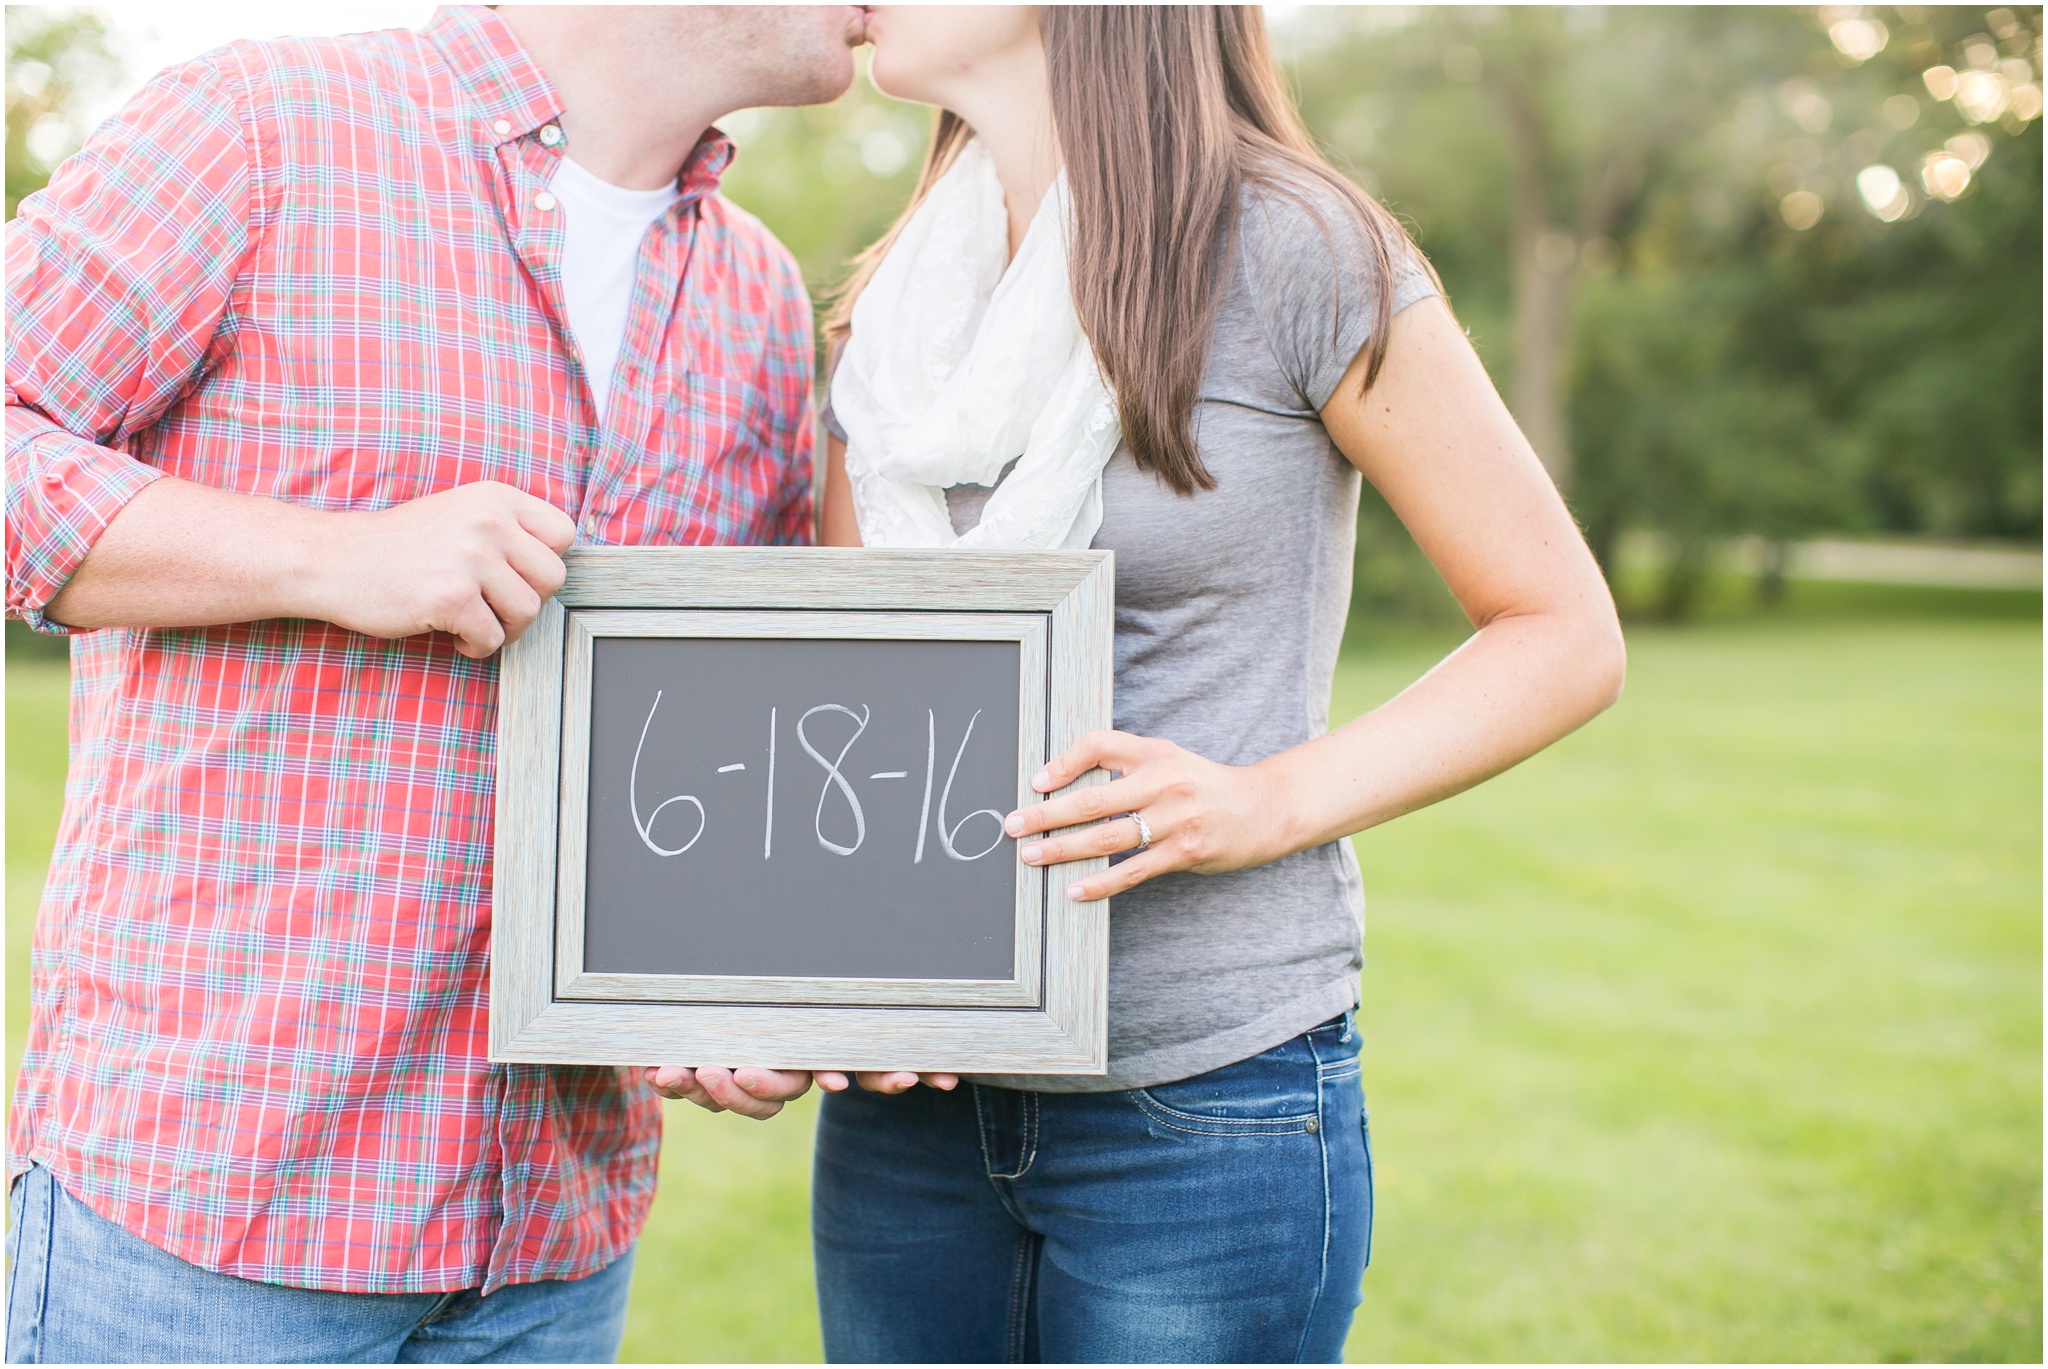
544, 201
502, 127
550, 135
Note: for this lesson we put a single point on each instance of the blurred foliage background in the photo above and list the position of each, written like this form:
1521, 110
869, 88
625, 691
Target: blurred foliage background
1713, 1032
1740, 271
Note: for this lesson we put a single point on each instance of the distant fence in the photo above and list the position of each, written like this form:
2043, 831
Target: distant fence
1883, 562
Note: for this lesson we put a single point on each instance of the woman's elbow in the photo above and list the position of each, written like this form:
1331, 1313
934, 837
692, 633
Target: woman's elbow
1603, 659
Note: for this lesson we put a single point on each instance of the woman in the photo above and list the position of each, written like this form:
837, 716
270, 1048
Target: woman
1130, 307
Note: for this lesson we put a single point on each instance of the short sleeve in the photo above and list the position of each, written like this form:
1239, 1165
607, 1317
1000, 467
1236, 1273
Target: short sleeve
1308, 261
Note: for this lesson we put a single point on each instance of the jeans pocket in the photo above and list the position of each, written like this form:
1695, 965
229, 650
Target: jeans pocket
1274, 1093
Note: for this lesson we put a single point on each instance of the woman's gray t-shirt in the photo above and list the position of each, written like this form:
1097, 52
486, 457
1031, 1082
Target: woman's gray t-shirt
1230, 607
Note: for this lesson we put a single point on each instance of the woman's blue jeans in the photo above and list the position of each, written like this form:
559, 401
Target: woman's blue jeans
1227, 1217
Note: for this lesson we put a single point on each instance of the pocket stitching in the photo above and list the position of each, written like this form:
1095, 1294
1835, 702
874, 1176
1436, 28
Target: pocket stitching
1198, 1125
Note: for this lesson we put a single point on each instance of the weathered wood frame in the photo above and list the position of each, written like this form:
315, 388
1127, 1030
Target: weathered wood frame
1049, 1018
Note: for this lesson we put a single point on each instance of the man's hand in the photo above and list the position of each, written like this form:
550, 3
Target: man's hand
751, 1092
477, 562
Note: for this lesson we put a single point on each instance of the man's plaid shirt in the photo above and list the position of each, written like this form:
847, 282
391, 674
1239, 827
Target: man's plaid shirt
324, 271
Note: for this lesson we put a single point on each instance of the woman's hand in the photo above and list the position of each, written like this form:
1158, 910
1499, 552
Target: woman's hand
884, 1081
749, 1091
1201, 816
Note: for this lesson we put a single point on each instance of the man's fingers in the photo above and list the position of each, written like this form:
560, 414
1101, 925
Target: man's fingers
671, 1077
773, 1085
476, 629
723, 1090
832, 1081
549, 525
537, 563
515, 601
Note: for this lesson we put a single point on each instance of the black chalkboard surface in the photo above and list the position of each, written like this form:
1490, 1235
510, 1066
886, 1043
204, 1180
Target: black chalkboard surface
790, 807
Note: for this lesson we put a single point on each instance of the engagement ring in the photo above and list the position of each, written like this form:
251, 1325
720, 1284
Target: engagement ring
1144, 831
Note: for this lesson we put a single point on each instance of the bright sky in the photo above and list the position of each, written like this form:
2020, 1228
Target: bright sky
155, 35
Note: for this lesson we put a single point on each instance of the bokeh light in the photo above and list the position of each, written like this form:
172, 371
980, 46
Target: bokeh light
1801, 210
1859, 40
1981, 96
1883, 192
1972, 147
1944, 174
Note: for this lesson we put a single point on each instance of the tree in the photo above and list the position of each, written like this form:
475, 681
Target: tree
57, 60
1737, 270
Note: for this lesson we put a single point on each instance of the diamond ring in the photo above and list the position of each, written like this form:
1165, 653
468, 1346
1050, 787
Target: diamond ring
1144, 831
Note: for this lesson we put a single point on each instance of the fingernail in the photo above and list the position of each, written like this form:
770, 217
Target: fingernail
1074, 892
1014, 824
1041, 780
1031, 853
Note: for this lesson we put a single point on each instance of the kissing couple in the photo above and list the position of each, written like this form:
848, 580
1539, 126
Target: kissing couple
322, 353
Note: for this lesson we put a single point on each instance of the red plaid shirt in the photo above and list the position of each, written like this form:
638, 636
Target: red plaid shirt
323, 271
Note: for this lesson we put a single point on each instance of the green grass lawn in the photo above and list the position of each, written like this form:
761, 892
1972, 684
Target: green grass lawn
1713, 1033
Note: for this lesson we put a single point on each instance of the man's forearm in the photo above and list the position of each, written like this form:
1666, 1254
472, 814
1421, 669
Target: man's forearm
184, 555
476, 561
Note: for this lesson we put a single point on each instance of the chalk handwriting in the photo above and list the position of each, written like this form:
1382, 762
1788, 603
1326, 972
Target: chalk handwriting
633, 796
832, 777
940, 823
948, 835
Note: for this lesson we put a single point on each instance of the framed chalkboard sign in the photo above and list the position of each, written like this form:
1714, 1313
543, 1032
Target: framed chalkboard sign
750, 803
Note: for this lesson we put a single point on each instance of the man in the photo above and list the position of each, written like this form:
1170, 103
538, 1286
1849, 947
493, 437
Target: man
319, 356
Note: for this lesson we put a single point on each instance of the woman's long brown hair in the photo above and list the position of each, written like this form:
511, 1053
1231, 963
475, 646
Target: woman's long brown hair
1164, 113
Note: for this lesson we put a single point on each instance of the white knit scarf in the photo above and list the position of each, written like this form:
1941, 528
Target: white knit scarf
957, 366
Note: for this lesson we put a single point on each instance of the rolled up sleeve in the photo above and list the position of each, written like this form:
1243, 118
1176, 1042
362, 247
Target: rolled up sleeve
120, 274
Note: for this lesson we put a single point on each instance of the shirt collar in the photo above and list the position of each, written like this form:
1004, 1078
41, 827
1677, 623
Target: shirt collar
514, 97
706, 164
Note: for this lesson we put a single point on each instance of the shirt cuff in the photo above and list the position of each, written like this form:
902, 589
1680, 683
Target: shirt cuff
62, 491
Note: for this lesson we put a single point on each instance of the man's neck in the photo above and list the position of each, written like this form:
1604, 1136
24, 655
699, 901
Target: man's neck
633, 109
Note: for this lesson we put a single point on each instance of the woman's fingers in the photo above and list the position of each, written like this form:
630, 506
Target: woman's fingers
1124, 875
720, 1090
1083, 805
1104, 839
1098, 749
902, 1081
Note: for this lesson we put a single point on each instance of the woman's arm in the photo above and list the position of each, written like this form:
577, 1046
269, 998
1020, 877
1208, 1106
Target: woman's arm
1434, 438
837, 526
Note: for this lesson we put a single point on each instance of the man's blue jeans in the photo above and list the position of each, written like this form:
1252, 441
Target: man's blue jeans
1226, 1217
85, 1290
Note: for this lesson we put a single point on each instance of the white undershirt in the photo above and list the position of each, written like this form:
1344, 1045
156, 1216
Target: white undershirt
602, 227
